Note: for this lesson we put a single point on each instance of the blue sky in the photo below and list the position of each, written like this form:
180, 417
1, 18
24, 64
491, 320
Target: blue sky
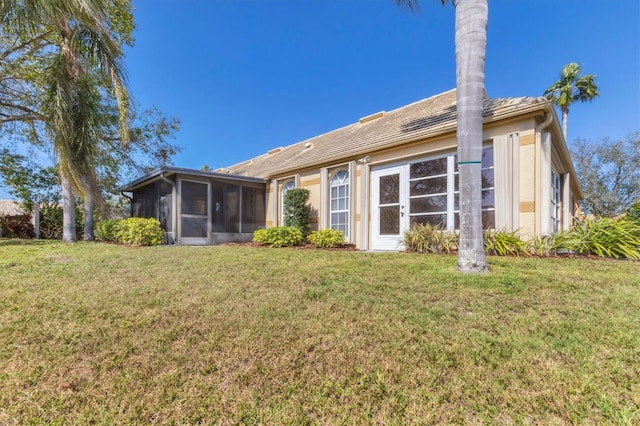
247, 76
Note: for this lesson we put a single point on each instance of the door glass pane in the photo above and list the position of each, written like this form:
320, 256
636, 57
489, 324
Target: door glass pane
390, 189
390, 220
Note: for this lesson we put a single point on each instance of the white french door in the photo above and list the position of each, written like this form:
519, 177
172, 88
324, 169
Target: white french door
390, 215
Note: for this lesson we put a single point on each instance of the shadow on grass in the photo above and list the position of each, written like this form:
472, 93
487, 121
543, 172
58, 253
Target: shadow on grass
22, 242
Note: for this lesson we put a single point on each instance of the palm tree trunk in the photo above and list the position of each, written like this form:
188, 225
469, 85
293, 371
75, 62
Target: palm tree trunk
89, 222
471, 42
68, 209
565, 118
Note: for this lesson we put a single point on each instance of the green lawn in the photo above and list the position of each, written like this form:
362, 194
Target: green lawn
105, 334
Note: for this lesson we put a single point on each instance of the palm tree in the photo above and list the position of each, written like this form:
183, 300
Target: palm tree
572, 87
85, 53
471, 43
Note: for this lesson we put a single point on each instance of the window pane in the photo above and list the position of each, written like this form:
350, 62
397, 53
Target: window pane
429, 168
487, 157
487, 178
429, 186
434, 219
434, 204
390, 189
390, 220
232, 217
489, 219
194, 198
217, 207
488, 200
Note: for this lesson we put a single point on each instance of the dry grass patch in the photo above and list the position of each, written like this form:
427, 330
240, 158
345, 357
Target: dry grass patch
104, 334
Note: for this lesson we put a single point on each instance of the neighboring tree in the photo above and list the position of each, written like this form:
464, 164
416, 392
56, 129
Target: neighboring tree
83, 55
572, 87
62, 85
471, 43
27, 182
609, 172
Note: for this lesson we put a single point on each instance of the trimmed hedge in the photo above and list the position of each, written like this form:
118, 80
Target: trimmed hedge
278, 236
134, 230
326, 238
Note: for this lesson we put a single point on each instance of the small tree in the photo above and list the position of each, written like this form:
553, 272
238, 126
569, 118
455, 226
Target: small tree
296, 209
609, 172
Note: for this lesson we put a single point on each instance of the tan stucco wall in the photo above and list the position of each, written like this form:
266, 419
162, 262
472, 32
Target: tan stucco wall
528, 206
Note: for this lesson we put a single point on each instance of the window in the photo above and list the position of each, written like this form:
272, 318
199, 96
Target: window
339, 202
555, 202
434, 191
253, 209
285, 188
225, 207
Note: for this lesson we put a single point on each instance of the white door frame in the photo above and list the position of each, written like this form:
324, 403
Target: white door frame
390, 239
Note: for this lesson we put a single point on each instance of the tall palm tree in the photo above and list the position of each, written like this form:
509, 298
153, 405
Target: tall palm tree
572, 87
85, 51
471, 44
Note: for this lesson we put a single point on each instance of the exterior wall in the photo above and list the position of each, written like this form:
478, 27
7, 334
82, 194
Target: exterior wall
527, 184
527, 205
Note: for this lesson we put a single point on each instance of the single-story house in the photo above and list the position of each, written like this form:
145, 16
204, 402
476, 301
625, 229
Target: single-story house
375, 178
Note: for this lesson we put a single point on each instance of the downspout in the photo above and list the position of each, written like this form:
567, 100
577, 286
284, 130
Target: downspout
130, 204
543, 183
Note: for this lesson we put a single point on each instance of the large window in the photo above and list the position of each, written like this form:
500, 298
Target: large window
434, 191
339, 211
555, 202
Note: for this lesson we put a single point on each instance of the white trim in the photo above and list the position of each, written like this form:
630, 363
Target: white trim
544, 213
352, 201
324, 209
365, 177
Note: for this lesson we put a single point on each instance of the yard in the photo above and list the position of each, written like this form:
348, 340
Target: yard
106, 334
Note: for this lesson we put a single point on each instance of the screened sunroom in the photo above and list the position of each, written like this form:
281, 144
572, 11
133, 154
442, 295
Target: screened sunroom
199, 208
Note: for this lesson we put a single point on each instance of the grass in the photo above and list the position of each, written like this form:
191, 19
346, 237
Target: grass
105, 334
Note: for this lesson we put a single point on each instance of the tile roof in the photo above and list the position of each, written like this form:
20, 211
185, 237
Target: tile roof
422, 119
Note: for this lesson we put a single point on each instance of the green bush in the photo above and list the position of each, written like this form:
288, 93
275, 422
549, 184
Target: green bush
427, 238
296, 209
134, 230
17, 226
605, 237
543, 246
504, 243
106, 230
633, 214
279, 236
326, 238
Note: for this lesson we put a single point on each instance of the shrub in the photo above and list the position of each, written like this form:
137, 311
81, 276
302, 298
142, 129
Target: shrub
427, 238
326, 238
296, 209
134, 230
603, 237
106, 230
279, 236
633, 214
504, 243
543, 246
17, 226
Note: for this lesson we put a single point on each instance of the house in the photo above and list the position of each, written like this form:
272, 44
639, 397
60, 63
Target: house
374, 178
